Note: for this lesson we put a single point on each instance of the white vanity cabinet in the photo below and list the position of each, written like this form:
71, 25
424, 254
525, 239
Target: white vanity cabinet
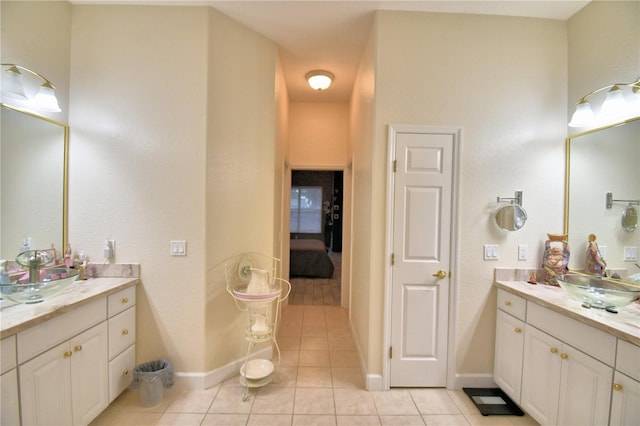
507, 369
63, 362
68, 382
562, 385
625, 399
122, 338
577, 368
10, 403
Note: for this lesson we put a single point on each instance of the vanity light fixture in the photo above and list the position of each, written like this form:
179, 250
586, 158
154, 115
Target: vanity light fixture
319, 79
617, 106
13, 89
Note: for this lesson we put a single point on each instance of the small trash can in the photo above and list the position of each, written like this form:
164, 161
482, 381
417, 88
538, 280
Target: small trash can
152, 377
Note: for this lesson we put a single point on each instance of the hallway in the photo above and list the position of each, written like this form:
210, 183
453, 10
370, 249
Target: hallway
320, 384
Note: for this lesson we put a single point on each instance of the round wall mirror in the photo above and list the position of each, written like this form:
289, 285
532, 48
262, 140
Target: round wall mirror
629, 219
511, 217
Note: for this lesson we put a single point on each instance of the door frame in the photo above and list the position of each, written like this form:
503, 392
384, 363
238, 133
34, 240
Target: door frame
393, 129
347, 183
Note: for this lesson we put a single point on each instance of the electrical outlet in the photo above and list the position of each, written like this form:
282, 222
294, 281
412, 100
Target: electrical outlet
630, 253
109, 249
491, 252
523, 251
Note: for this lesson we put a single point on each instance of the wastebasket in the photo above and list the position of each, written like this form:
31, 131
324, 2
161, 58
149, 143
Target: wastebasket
152, 377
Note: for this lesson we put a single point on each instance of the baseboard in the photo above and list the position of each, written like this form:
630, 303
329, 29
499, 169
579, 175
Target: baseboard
474, 381
201, 381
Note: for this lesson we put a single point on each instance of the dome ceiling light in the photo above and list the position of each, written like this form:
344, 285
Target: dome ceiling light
319, 79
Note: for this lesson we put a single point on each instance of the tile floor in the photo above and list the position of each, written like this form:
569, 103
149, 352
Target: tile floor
320, 384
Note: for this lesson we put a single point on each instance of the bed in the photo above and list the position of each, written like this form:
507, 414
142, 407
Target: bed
309, 258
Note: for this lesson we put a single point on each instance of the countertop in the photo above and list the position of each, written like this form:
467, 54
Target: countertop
18, 317
624, 325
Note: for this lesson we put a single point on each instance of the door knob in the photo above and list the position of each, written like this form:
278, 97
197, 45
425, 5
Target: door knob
440, 274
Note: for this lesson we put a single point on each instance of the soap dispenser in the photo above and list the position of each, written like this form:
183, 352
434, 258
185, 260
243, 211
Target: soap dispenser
4, 275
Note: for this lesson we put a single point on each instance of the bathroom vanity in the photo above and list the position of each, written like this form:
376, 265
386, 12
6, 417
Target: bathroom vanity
562, 363
64, 360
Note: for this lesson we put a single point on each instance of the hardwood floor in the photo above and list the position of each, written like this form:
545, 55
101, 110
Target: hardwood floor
318, 291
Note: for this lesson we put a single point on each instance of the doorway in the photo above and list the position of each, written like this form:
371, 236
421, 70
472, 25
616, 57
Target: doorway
316, 228
421, 202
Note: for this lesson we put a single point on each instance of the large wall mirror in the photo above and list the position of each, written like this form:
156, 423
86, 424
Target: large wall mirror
601, 161
33, 181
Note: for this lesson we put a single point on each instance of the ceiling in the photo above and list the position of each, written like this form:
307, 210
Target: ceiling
331, 34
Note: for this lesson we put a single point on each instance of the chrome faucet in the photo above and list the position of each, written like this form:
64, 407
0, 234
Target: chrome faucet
34, 260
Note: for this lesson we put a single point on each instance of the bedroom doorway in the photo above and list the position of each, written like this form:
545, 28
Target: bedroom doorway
316, 228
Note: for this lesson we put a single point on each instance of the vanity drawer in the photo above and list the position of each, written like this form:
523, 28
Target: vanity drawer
122, 300
41, 337
122, 331
512, 304
121, 372
628, 359
597, 343
8, 354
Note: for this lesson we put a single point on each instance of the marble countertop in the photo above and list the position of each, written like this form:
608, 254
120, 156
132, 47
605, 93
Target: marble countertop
18, 317
624, 325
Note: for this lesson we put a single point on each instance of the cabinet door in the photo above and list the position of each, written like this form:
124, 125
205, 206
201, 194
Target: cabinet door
507, 369
89, 374
45, 388
541, 376
585, 389
10, 405
625, 407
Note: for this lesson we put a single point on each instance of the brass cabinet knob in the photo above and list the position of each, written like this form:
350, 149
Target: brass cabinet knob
440, 274
554, 350
125, 332
125, 300
507, 303
68, 354
78, 348
518, 330
617, 387
564, 356
125, 372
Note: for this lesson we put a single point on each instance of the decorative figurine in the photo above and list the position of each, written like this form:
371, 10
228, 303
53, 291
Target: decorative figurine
595, 263
67, 256
556, 258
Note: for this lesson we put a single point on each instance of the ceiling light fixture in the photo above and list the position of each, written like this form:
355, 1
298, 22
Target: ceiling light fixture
621, 103
13, 90
319, 79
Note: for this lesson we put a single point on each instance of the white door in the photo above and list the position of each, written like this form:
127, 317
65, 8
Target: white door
422, 201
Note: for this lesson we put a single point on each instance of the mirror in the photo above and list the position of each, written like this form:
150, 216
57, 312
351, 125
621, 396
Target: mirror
33, 181
601, 161
511, 217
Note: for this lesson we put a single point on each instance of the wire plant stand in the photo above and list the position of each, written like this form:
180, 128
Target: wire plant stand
254, 286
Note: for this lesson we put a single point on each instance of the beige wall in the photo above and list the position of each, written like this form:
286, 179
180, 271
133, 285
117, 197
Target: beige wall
241, 181
319, 134
362, 124
503, 81
138, 119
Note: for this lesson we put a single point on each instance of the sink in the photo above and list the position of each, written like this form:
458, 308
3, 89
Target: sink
51, 282
597, 292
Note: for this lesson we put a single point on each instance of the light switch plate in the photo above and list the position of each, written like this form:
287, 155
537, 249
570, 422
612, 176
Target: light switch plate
178, 248
491, 252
